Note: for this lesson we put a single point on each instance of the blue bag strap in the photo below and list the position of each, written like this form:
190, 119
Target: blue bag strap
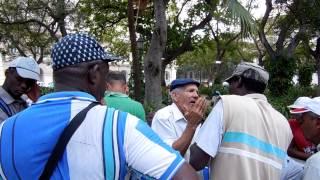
5, 108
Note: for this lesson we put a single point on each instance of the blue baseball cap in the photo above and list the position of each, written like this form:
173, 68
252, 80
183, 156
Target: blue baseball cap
182, 82
78, 48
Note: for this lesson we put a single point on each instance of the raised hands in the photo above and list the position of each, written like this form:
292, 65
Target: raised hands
195, 113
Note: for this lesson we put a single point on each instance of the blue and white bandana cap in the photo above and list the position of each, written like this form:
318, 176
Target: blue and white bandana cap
78, 48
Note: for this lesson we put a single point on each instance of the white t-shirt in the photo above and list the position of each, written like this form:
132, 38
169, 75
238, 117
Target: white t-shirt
211, 129
312, 168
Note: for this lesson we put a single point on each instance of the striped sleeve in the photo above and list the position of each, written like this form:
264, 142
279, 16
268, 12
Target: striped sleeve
146, 153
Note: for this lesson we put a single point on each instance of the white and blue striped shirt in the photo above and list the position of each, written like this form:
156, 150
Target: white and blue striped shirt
107, 145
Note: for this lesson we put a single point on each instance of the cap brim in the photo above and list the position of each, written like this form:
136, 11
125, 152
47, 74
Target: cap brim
228, 79
293, 106
110, 57
28, 74
298, 110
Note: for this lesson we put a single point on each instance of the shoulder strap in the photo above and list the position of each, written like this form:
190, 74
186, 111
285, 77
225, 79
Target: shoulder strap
5, 108
63, 141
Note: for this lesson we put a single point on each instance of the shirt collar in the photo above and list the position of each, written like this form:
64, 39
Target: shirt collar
177, 114
257, 96
6, 97
117, 94
63, 95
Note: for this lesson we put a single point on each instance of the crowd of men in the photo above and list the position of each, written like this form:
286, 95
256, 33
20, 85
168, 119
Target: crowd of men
89, 128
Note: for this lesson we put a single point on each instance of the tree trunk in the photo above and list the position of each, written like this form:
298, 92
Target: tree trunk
316, 56
163, 73
135, 58
61, 15
152, 61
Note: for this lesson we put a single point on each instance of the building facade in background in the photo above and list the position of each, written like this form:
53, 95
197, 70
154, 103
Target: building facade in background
46, 79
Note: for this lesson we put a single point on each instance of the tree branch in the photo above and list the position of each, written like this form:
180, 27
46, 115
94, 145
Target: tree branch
295, 40
261, 32
284, 28
182, 6
186, 45
52, 33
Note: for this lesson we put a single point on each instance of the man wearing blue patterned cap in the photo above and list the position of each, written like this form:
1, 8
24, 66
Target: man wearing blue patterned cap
243, 132
106, 145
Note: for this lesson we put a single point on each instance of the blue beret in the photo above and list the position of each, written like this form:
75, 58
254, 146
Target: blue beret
182, 82
78, 48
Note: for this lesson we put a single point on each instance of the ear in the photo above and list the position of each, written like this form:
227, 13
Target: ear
239, 82
174, 96
126, 89
94, 75
6, 72
318, 124
107, 85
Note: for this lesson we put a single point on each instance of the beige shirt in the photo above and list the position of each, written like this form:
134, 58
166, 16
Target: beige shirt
14, 105
247, 135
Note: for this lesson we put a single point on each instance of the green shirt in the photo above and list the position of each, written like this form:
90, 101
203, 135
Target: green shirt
124, 103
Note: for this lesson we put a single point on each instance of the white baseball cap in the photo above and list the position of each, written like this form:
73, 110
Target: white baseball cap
314, 106
316, 98
299, 106
26, 67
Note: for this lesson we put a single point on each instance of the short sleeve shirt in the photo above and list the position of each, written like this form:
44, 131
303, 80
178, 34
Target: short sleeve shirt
212, 129
108, 143
124, 103
299, 140
312, 168
10, 106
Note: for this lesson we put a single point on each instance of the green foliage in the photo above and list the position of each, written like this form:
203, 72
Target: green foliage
305, 74
208, 91
203, 90
45, 90
166, 99
281, 71
280, 103
131, 86
25, 25
247, 23
108, 21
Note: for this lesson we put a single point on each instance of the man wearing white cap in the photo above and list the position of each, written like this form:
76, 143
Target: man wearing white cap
21, 76
299, 148
244, 136
312, 123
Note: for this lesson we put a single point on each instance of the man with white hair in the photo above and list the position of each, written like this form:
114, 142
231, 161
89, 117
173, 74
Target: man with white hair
21, 76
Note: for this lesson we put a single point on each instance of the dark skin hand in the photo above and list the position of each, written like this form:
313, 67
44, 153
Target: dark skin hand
293, 152
198, 158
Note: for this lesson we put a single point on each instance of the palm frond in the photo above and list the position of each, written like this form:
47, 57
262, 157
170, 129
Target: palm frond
238, 12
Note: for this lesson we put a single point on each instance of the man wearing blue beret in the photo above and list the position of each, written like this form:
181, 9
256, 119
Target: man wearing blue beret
178, 123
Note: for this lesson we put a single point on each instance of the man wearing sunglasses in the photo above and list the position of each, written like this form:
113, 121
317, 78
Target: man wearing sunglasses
21, 76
